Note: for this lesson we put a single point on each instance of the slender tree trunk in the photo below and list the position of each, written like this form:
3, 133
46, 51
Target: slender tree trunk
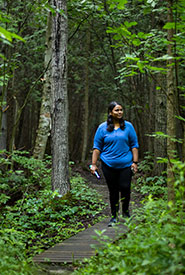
59, 105
171, 101
152, 105
15, 123
86, 99
3, 121
45, 119
160, 126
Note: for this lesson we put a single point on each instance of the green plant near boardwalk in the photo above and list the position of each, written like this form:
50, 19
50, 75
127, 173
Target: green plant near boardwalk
155, 242
146, 183
154, 245
37, 218
152, 185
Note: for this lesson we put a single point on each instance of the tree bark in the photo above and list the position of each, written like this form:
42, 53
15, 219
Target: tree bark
171, 101
86, 99
59, 105
3, 121
160, 126
45, 118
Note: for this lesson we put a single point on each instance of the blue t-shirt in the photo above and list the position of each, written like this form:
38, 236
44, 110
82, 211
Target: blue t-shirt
116, 147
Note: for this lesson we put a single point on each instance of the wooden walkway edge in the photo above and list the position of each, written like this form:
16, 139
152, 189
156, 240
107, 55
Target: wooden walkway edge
79, 246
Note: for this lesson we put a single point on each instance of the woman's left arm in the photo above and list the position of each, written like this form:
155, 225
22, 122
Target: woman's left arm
135, 159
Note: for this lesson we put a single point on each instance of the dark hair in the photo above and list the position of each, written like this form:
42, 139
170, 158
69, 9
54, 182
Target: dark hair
110, 123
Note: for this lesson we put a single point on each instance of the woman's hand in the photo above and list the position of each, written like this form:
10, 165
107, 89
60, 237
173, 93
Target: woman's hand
93, 168
134, 167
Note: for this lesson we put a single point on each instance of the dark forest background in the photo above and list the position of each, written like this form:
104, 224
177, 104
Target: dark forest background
113, 54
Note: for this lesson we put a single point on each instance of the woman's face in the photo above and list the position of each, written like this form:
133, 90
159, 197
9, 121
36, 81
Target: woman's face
117, 112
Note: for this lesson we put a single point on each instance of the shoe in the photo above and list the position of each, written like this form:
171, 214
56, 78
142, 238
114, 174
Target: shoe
126, 214
112, 222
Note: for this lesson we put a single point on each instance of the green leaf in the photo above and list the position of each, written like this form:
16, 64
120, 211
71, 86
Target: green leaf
136, 42
141, 35
156, 68
121, 4
169, 25
140, 66
132, 57
9, 35
2, 56
17, 37
4, 20
130, 24
5, 34
181, 118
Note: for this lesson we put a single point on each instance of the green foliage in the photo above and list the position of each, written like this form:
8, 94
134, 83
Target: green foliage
152, 185
178, 170
39, 217
154, 244
147, 164
147, 184
12, 255
7, 36
179, 173
29, 174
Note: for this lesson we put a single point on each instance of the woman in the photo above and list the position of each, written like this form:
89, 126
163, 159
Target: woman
116, 143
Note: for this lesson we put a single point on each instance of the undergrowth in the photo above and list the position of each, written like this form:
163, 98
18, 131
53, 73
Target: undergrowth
38, 218
146, 183
155, 239
154, 244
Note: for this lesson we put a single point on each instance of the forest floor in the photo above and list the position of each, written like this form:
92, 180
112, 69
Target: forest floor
101, 187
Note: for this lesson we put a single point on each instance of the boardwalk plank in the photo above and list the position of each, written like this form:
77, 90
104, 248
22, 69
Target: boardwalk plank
79, 246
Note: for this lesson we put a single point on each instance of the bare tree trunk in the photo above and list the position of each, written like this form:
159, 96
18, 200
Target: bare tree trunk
160, 126
15, 123
45, 119
171, 101
3, 120
86, 99
59, 105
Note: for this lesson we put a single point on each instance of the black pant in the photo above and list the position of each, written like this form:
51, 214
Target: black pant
118, 181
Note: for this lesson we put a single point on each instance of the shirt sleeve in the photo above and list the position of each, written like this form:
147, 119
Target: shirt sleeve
98, 139
133, 137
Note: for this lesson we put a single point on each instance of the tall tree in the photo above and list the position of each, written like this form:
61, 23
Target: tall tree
45, 120
59, 105
171, 103
86, 98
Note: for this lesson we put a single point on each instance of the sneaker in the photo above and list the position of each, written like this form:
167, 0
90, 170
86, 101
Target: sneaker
126, 214
112, 222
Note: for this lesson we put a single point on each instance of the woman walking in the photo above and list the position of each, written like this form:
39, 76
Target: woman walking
116, 144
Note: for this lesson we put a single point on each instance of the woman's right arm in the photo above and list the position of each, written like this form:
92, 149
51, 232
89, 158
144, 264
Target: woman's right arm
95, 156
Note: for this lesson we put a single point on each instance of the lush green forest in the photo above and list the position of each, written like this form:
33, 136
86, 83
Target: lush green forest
62, 62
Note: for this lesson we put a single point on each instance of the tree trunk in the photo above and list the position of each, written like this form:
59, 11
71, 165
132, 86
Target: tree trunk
45, 119
86, 99
3, 121
171, 101
160, 125
59, 105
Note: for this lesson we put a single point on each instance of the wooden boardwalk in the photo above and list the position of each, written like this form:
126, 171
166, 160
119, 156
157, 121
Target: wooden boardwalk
79, 246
